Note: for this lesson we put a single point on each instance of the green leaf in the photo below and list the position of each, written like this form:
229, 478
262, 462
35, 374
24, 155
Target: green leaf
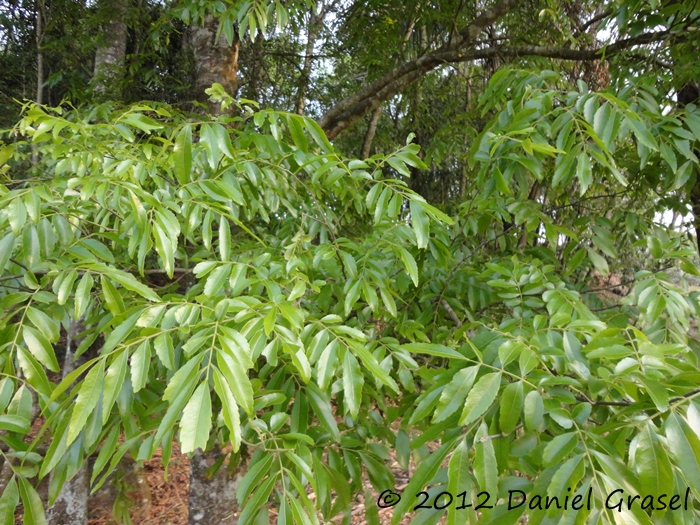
8, 502
121, 331
654, 468
421, 478
420, 223
216, 280
321, 406
224, 239
370, 362
485, 465
34, 372
301, 362
325, 367
63, 230
185, 375
534, 411
196, 420
112, 297
32, 247
560, 447
229, 409
669, 156
208, 139
297, 133
598, 261
270, 321
658, 392
85, 403
132, 284
409, 264
459, 479
399, 166
433, 349
40, 347
237, 379
183, 154
260, 496
6, 153
511, 407
66, 287
16, 215
187, 384
642, 133
13, 423
165, 351
480, 397
106, 452
684, 446
352, 296
82, 295
7, 390
563, 171
371, 510
256, 472
583, 172
6, 245
114, 379
33, 507
567, 476
140, 363
455, 393
352, 384
165, 249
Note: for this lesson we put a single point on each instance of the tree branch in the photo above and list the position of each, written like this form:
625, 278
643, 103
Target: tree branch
371, 131
349, 110
425, 62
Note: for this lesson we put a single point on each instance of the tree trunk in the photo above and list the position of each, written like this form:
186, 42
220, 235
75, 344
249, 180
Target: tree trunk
215, 62
256, 71
371, 131
690, 94
71, 504
212, 499
39, 52
109, 57
315, 21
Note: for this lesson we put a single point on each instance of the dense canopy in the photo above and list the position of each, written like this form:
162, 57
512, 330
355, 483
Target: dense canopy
307, 241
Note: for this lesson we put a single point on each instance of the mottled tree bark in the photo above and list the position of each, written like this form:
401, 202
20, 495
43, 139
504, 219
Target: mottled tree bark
71, 504
215, 61
212, 500
109, 57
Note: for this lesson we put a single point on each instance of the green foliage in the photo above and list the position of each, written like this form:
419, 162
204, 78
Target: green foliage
239, 281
